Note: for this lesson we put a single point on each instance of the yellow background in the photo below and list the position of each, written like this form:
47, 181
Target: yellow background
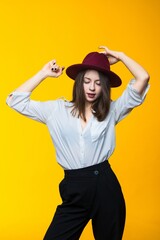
34, 32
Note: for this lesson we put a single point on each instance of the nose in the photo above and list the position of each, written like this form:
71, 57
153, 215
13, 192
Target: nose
92, 86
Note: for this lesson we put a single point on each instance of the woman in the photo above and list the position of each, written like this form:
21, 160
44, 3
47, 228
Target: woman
83, 134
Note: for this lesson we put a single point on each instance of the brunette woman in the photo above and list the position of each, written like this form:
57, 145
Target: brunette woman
83, 133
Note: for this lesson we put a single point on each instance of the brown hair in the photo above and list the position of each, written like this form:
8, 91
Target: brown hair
101, 105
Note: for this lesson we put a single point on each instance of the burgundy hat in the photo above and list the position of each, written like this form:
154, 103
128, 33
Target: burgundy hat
96, 61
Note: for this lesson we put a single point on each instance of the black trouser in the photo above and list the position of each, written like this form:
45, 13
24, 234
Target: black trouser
89, 193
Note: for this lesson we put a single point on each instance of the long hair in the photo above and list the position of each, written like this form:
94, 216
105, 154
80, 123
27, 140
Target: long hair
100, 107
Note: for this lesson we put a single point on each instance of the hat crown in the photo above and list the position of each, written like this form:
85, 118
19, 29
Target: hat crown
96, 59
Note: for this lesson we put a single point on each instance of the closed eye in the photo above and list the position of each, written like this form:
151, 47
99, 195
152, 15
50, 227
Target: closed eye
88, 80
98, 83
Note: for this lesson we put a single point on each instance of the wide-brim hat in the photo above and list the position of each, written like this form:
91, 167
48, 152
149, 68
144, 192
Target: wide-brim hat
95, 61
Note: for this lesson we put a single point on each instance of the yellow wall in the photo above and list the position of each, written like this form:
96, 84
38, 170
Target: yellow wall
34, 32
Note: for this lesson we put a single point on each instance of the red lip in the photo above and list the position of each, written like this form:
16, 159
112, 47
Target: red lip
91, 95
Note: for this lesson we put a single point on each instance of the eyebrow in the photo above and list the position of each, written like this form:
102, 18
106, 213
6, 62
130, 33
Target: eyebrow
91, 79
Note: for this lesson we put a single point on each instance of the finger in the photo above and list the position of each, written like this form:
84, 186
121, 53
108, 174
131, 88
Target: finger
55, 68
60, 71
103, 47
53, 62
104, 52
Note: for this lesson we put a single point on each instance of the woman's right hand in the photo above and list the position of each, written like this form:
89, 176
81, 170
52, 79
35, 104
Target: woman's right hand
51, 69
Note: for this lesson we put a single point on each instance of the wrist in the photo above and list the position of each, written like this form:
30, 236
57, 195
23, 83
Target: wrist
42, 74
121, 56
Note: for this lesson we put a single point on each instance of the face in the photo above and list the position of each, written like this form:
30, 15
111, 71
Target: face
92, 85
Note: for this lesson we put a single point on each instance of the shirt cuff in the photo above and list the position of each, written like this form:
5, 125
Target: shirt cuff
12, 96
135, 93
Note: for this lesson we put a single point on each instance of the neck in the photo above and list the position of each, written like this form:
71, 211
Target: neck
88, 107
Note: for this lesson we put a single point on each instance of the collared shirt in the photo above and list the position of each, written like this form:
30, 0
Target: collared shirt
77, 147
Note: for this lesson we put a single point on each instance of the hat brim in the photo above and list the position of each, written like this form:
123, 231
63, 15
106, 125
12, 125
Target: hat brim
73, 70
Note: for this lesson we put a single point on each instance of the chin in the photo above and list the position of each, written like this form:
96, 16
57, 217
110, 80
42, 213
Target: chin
89, 99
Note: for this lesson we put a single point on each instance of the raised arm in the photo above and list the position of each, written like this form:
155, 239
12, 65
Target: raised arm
51, 69
20, 100
140, 74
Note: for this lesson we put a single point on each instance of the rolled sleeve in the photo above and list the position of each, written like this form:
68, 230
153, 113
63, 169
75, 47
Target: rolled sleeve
36, 110
129, 99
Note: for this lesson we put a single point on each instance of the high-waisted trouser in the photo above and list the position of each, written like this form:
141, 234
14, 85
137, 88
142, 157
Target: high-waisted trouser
89, 193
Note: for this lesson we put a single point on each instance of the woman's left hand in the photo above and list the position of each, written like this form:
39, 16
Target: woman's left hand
140, 74
113, 56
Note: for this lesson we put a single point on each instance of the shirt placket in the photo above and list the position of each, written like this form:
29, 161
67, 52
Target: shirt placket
82, 148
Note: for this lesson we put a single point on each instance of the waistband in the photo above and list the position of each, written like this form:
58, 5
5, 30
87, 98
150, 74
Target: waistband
93, 170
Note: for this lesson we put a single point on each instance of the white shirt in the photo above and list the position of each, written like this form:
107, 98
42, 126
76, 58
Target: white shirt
77, 147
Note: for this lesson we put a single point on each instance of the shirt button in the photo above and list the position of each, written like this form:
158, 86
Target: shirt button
96, 172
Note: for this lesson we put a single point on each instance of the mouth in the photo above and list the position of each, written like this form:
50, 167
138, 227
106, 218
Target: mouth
91, 95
